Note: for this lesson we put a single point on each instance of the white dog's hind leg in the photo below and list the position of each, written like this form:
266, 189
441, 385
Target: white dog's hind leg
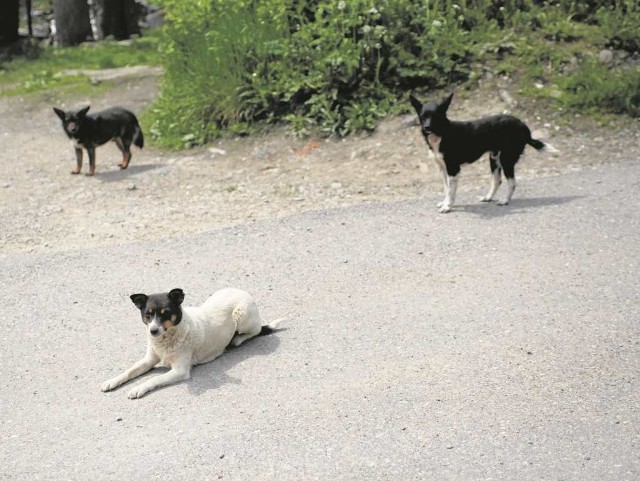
240, 338
139, 368
248, 322
262, 330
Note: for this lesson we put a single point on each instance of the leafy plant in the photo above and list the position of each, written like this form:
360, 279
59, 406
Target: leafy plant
596, 87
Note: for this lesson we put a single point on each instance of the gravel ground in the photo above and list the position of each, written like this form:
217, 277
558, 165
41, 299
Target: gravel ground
44, 208
492, 343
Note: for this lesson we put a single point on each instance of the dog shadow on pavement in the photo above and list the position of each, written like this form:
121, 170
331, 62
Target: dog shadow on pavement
516, 206
116, 175
214, 374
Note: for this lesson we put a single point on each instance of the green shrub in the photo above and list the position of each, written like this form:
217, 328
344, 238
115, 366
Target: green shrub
599, 88
620, 21
337, 66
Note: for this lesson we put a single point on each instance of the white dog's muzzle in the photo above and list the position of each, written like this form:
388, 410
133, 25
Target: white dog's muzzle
155, 327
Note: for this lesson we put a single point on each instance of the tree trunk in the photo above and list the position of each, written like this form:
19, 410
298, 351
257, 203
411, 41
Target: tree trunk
72, 21
9, 21
115, 17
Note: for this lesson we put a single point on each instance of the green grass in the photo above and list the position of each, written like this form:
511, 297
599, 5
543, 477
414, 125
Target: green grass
27, 75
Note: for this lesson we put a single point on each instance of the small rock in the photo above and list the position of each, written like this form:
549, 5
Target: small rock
262, 153
336, 185
216, 151
605, 56
409, 121
507, 98
6, 185
131, 187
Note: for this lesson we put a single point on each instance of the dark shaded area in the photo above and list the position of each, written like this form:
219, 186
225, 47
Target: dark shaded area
9, 20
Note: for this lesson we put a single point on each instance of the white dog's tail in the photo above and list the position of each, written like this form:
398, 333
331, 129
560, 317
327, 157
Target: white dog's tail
271, 327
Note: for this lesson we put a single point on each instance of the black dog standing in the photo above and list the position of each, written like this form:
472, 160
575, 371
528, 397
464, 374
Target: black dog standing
91, 131
455, 143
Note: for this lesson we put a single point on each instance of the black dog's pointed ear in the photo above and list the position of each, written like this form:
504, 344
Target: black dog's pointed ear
140, 300
444, 106
176, 295
416, 104
59, 113
83, 112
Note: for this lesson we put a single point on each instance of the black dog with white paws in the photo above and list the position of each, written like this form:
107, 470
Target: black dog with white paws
455, 143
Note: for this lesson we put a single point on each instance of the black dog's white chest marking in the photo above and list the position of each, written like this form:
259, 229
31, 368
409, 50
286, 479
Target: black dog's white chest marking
433, 141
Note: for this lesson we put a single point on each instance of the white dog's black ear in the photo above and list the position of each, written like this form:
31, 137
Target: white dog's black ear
416, 104
176, 295
444, 106
140, 300
59, 113
83, 112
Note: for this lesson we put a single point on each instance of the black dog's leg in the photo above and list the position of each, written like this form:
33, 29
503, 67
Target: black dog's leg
125, 147
453, 170
78, 161
92, 160
445, 181
508, 165
496, 176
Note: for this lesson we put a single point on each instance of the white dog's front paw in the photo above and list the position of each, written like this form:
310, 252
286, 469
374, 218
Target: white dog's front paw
138, 391
444, 208
110, 384
485, 198
440, 204
503, 202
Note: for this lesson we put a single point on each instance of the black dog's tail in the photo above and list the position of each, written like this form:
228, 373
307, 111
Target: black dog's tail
271, 327
542, 147
138, 138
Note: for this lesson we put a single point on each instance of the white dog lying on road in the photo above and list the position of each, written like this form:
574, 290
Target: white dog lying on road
180, 337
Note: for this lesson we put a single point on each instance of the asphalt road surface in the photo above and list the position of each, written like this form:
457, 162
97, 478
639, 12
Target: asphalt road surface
491, 343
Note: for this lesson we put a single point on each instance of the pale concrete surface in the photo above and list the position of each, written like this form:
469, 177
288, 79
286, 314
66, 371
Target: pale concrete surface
491, 343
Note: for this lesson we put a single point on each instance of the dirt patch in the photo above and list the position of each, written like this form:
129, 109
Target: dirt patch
162, 194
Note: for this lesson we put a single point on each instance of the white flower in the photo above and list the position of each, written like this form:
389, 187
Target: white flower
342, 5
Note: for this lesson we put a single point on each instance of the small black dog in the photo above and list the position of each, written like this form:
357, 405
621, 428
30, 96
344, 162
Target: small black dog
456, 143
91, 131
